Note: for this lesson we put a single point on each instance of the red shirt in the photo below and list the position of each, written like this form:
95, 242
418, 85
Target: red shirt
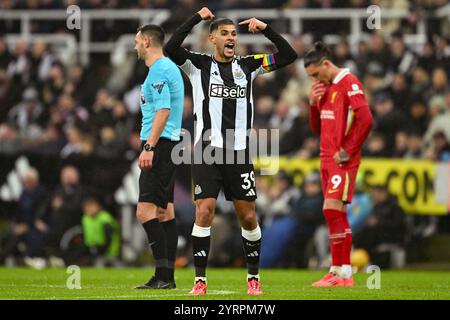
339, 128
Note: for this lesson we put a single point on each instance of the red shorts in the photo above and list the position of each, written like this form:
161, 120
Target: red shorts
338, 183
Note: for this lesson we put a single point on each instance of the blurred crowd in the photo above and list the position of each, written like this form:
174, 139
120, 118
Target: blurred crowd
79, 126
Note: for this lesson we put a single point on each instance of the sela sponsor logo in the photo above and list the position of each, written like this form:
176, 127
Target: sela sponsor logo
327, 114
222, 91
355, 90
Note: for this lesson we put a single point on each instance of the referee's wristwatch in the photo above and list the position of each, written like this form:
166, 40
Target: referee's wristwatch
148, 147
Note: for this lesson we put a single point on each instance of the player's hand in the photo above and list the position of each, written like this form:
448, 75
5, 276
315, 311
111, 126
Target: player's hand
341, 157
317, 91
254, 25
146, 160
206, 14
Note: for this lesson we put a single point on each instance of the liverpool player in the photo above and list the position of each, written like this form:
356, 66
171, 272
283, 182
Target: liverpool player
340, 114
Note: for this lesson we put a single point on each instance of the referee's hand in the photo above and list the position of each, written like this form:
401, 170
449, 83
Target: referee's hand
206, 14
146, 160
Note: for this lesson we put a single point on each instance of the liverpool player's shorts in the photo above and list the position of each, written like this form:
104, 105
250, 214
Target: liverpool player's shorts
156, 185
236, 179
338, 183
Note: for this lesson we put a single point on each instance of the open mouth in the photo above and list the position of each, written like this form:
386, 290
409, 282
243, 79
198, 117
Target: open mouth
229, 48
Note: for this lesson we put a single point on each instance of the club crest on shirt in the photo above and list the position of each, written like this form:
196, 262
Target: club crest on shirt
158, 86
333, 96
238, 74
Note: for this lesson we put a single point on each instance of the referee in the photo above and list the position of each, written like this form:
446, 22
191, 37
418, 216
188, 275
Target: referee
162, 97
223, 112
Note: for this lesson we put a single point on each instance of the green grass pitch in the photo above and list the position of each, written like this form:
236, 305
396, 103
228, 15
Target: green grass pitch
223, 284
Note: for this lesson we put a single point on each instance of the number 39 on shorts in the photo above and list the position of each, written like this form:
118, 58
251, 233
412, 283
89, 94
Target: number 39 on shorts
336, 181
249, 180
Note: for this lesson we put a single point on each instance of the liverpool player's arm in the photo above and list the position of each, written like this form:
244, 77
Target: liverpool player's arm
317, 91
173, 48
360, 124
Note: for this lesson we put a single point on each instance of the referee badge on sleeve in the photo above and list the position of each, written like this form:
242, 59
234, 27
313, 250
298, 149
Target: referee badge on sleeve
158, 86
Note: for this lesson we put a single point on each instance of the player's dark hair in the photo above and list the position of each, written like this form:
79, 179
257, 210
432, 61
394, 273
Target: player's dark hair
153, 31
219, 22
317, 54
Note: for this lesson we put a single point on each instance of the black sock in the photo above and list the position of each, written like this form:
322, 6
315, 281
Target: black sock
252, 250
170, 229
157, 241
200, 246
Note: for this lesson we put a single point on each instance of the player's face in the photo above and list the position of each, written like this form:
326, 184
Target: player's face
224, 40
139, 46
319, 72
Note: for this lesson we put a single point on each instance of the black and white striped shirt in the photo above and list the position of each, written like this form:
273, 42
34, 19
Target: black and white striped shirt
222, 92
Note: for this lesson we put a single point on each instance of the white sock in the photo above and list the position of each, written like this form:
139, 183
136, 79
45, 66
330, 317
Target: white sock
336, 270
200, 278
346, 271
249, 276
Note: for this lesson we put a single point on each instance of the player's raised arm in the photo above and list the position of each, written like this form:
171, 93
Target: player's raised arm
173, 47
285, 54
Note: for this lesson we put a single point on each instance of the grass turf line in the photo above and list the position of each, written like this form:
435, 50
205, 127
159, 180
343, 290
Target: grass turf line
223, 284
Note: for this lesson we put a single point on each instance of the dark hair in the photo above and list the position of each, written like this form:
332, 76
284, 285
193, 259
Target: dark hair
153, 31
317, 54
94, 197
219, 22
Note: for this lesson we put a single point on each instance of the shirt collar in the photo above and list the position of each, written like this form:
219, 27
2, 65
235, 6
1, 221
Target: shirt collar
341, 75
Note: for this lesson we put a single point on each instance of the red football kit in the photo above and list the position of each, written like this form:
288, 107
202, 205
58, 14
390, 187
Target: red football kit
343, 119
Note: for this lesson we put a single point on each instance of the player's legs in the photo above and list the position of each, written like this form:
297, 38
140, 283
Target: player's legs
156, 191
167, 219
251, 239
147, 215
201, 239
338, 188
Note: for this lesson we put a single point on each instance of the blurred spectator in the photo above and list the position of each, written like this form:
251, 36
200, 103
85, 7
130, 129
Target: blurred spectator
401, 59
278, 225
375, 146
30, 202
414, 146
440, 122
109, 146
62, 212
277, 199
401, 144
295, 136
388, 119
386, 223
418, 116
307, 211
25, 115
100, 232
439, 150
9, 140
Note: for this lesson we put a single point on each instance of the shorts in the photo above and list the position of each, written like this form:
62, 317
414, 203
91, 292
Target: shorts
236, 179
338, 183
156, 185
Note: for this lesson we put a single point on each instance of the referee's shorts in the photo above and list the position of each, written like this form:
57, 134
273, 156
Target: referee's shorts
156, 185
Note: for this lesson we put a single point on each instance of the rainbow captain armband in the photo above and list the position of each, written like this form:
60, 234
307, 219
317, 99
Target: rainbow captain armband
268, 63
